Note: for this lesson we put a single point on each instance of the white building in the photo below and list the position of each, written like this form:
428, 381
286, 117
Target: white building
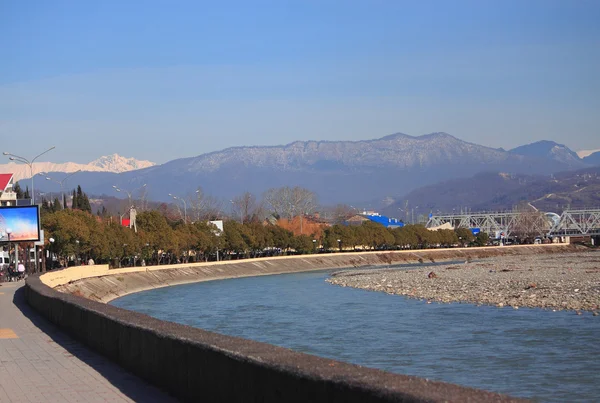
7, 196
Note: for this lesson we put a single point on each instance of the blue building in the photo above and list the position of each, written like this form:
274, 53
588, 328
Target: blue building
378, 218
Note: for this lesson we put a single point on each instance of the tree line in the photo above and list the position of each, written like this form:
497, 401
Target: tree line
79, 235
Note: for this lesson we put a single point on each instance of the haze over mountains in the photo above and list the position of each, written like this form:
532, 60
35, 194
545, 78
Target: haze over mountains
337, 171
493, 191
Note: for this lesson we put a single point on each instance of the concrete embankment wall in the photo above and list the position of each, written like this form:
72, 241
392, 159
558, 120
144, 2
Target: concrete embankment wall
98, 283
197, 365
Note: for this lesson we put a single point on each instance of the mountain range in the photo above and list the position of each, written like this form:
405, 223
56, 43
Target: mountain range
351, 172
493, 191
111, 163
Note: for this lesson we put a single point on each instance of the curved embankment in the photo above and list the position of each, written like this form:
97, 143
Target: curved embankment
197, 365
98, 283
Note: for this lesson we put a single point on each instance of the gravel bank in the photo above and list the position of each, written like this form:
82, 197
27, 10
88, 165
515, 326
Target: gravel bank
559, 281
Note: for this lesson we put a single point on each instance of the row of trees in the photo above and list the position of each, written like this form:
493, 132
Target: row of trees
79, 201
159, 240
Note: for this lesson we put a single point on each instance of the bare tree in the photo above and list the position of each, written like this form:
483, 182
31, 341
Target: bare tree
342, 212
291, 202
244, 206
530, 223
204, 207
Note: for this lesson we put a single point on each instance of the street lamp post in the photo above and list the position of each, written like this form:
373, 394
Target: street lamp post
77, 254
184, 207
22, 160
61, 183
8, 232
118, 189
49, 254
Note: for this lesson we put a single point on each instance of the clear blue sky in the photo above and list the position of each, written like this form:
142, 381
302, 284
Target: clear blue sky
161, 80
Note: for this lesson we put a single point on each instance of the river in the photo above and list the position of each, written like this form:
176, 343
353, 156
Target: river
531, 353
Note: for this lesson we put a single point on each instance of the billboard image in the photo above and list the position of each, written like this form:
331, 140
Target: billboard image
21, 222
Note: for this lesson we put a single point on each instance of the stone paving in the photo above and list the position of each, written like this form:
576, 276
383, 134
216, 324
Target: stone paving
39, 363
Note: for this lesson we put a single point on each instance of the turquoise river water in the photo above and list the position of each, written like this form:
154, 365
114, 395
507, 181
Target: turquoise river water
531, 353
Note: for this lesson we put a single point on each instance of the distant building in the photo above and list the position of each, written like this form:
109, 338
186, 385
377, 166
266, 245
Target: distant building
357, 219
387, 222
7, 196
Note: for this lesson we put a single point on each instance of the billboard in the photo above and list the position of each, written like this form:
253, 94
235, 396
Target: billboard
21, 222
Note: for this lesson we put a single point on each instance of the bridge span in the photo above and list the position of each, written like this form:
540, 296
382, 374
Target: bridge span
584, 222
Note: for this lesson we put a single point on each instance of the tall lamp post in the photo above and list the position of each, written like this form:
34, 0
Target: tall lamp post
8, 232
118, 189
61, 183
23, 160
184, 207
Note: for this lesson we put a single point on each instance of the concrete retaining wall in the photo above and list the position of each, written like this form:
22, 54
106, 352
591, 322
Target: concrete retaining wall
101, 284
197, 365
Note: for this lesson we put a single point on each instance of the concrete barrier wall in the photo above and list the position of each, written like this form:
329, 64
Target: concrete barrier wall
197, 365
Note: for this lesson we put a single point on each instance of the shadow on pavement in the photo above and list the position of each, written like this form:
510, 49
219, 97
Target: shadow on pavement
129, 384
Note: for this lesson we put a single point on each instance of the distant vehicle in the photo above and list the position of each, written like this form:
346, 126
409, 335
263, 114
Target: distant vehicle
4, 258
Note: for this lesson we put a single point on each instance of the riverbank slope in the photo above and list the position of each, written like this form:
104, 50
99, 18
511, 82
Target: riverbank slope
98, 283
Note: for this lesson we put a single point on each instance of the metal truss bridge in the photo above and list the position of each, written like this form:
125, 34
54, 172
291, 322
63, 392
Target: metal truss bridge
569, 223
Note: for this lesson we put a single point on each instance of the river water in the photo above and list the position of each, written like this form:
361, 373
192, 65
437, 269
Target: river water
531, 353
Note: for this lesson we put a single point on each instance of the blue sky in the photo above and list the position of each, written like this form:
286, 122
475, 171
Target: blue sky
161, 80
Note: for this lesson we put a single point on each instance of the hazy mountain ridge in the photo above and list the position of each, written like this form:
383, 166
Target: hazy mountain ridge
351, 172
502, 191
592, 159
397, 150
552, 150
111, 163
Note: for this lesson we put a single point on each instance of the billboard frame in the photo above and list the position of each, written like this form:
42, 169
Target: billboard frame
12, 222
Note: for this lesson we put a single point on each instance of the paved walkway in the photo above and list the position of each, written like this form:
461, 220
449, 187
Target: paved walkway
39, 363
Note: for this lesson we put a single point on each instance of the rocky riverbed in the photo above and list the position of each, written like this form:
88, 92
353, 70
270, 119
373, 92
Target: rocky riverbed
568, 281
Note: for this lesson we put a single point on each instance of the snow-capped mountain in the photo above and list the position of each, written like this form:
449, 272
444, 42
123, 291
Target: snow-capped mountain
111, 163
117, 163
586, 153
337, 171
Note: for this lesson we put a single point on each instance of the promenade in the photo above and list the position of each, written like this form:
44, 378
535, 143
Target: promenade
39, 363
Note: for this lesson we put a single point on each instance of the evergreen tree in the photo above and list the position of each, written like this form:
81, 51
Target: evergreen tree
85, 204
64, 202
56, 205
17, 189
27, 195
74, 204
46, 207
79, 198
